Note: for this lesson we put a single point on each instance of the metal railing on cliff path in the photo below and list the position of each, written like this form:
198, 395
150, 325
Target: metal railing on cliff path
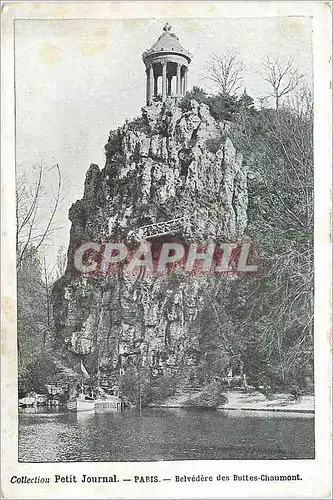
158, 229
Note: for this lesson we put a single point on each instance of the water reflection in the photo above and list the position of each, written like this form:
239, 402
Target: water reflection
83, 417
163, 434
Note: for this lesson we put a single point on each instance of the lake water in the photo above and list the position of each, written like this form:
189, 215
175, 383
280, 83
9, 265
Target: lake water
163, 434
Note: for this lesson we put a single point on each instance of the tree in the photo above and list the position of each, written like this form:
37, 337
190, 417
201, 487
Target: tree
30, 231
277, 314
34, 279
225, 71
283, 78
61, 261
301, 102
32, 321
246, 102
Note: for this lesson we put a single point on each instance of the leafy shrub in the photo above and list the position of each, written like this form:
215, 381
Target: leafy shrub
162, 388
114, 144
223, 107
33, 376
211, 397
198, 94
135, 386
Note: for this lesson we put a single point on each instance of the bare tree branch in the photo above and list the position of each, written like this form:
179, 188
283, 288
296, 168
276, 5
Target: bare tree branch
36, 195
56, 204
28, 205
283, 78
225, 71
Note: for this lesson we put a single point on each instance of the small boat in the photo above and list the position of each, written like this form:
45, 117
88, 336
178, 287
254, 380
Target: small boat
27, 401
108, 402
82, 403
33, 399
41, 399
53, 402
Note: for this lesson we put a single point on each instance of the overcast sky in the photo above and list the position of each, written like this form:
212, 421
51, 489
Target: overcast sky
78, 79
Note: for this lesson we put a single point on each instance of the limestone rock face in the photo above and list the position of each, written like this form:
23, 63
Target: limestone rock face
169, 163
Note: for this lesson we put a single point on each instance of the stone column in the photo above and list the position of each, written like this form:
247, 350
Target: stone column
149, 72
164, 80
151, 80
148, 86
155, 86
185, 81
178, 84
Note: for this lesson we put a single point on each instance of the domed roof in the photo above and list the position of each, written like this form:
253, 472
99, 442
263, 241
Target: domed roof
167, 43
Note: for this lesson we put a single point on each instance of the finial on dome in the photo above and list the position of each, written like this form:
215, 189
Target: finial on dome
167, 27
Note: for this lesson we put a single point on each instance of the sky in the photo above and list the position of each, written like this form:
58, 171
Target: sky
78, 79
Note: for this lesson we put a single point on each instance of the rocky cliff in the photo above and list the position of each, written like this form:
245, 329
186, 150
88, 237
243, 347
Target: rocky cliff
171, 163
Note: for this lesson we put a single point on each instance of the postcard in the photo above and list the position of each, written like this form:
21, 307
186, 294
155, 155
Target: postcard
166, 249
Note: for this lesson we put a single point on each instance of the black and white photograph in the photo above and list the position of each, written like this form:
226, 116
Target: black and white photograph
164, 244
